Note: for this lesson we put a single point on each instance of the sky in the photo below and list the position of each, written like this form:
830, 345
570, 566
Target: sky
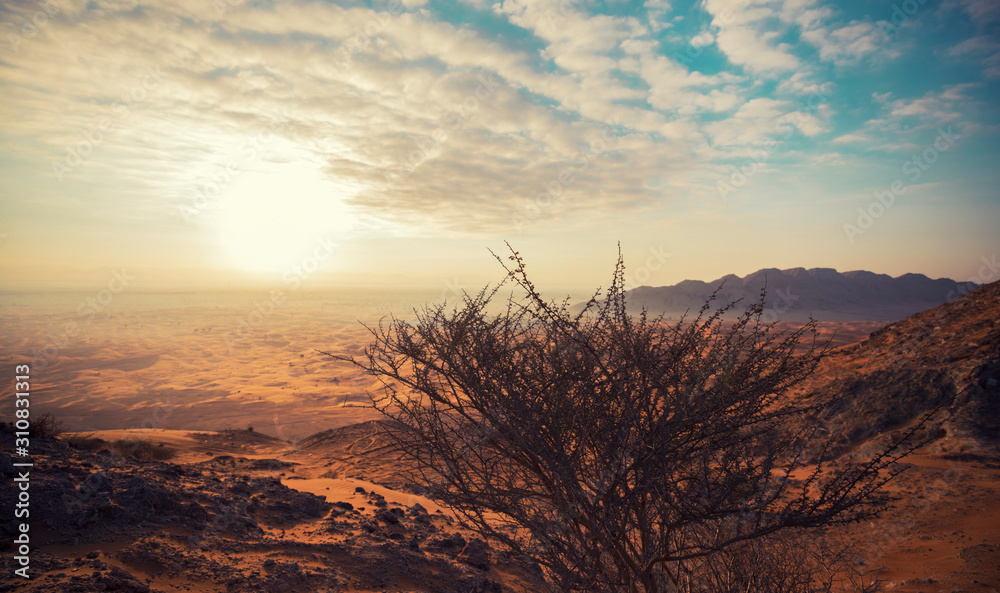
393, 143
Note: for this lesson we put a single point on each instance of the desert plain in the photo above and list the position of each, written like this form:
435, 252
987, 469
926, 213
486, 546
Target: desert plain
268, 472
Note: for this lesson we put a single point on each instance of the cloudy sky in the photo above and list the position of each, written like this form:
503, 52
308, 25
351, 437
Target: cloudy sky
396, 142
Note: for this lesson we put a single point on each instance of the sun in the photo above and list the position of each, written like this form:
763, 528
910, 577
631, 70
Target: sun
273, 216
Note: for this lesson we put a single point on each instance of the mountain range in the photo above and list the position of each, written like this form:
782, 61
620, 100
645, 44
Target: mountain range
795, 294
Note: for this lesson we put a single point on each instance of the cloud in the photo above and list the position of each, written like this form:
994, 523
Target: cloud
760, 120
749, 31
840, 43
846, 44
674, 88
932, 108
982, 12
803, 83
907, 124
657, 11
438, 125
370, 94
985, 48
851, 139
744, 36
752, 49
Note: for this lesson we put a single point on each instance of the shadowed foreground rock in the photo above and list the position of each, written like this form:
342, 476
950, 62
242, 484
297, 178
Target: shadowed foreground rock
106, 523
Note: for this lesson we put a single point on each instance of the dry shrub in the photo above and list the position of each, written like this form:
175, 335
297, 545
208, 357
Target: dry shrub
623, 453
142, 450
45, 426
86, 441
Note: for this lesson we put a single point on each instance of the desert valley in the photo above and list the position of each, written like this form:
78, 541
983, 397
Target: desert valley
186, 466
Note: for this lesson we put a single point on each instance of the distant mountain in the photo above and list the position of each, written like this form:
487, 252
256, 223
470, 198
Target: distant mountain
794, 294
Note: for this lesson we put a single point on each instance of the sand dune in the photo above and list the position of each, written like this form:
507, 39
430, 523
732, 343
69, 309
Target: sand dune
157, 365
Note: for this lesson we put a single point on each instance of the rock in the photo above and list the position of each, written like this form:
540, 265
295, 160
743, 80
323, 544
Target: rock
6, 465
486, 586
196, 512
387, 517
477, 554
103, 503
450, 542
85, 516
146, 495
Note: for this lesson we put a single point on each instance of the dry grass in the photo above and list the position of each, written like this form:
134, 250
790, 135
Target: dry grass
142, 450
84, 441
46, 426
139, 449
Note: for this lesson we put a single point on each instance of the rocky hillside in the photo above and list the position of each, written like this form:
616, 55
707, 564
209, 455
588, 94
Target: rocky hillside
794, 294
104, 522
948, 355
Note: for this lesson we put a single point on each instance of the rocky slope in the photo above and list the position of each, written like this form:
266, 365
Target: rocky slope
948, 356
104, 522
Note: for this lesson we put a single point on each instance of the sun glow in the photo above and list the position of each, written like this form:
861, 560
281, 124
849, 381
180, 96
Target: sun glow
273, 216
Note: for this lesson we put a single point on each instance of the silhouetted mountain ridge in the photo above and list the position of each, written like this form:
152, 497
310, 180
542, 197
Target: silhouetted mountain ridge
794, 294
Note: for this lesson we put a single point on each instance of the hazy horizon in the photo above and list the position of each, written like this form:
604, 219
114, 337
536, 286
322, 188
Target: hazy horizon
86, 281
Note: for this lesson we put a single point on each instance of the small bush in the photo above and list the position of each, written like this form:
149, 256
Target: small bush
46, 426
85, 441
142, 450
